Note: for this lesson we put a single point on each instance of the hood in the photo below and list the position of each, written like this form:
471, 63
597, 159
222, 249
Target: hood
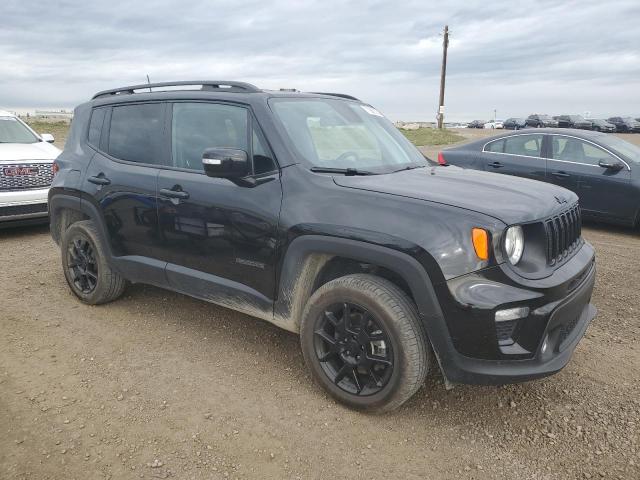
509, 199
11, 152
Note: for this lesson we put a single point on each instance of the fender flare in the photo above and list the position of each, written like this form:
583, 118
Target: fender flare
307, 254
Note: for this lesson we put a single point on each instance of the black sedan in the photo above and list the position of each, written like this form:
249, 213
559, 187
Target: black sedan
536, 120
602, 126
573, 121
625, 124
514, 123
602, 169
476, 124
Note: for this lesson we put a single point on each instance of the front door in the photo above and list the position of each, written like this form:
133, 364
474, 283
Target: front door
603, 192
219, 237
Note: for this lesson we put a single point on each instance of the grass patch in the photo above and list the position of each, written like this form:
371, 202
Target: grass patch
431, 136
59, 130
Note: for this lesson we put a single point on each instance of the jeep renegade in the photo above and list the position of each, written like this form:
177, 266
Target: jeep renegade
311, 211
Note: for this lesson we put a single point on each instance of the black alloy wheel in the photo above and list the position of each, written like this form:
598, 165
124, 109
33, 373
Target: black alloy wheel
353, 349
82, 265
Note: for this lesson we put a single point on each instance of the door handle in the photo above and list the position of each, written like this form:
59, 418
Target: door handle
561, 174
174, 193
496, 165
99, 179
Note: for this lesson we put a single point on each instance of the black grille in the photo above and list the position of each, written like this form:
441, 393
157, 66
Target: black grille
566, 330
23, 209
563, 234
25, 176
504, 331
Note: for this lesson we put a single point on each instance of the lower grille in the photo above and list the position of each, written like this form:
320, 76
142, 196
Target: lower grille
563, 234
23, 209
25, 176
566, 330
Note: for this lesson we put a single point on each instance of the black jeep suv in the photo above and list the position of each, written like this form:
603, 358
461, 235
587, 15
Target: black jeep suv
311, 211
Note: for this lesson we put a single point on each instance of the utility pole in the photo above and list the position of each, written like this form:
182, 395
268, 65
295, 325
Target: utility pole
443, 74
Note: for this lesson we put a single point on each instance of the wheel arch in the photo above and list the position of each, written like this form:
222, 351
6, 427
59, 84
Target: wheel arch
312, 260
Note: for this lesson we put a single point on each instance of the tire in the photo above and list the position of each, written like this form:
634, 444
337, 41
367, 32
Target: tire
389, 316
85, 266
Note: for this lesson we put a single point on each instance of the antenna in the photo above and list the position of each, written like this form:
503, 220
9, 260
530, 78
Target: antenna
148, 82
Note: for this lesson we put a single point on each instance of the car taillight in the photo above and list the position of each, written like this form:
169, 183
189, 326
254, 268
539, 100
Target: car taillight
55, 168
441, 159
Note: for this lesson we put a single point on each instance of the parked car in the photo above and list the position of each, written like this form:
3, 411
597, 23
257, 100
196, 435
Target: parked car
625, 124
476, 124
493, 124
514, 123
573, 121
26, 162
313, 212
539, 121
603, 170
602, 126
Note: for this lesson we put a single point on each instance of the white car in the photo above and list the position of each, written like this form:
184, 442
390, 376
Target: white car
26, 172
494, 124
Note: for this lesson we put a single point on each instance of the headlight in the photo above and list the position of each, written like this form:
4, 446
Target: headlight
514, 244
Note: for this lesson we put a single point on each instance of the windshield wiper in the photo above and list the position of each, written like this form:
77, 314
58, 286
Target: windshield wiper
344, 171
410, 167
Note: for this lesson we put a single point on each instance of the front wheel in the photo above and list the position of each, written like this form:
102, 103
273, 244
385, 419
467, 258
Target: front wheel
363, 341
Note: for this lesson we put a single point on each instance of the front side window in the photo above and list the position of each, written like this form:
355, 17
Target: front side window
339, 134
199, 126
136, 133
574, 150
529, 145
13, 130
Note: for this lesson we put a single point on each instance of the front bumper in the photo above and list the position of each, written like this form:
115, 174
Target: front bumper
542, 343
23, 207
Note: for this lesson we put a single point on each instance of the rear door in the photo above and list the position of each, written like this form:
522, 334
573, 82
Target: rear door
519, 155
121, 177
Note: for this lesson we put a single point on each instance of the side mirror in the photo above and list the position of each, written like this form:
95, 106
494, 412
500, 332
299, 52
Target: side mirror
615, 166
47, 137
225, 163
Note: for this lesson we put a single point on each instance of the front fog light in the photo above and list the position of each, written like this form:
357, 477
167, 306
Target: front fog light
512, 314
514, 244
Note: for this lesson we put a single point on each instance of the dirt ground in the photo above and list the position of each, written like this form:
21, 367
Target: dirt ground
159, 385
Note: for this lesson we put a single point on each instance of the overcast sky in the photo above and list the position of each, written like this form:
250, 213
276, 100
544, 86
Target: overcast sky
517, 57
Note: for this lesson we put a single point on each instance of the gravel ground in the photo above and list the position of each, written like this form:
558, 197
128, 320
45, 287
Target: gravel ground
159, 385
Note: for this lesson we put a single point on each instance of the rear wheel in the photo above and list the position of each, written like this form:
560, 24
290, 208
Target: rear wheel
85, 265
363, 342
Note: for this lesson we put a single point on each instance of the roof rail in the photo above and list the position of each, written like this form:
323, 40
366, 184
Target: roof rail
341, 95
222, 85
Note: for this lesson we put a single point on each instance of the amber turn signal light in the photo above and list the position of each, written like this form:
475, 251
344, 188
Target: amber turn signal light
480, 239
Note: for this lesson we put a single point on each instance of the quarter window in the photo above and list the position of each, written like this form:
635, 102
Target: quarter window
136, 133
496, 146
199, 126
95, 126
528, 145
262, 157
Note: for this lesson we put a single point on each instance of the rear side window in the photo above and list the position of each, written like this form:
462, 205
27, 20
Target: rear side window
95, 126
135, 133
497, 146
198, 126
529, 145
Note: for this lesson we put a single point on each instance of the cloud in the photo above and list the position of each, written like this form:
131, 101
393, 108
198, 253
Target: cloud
516, 57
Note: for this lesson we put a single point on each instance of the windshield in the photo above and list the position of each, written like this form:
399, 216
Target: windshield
14, 131
544, 117
624, 148
339, 134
